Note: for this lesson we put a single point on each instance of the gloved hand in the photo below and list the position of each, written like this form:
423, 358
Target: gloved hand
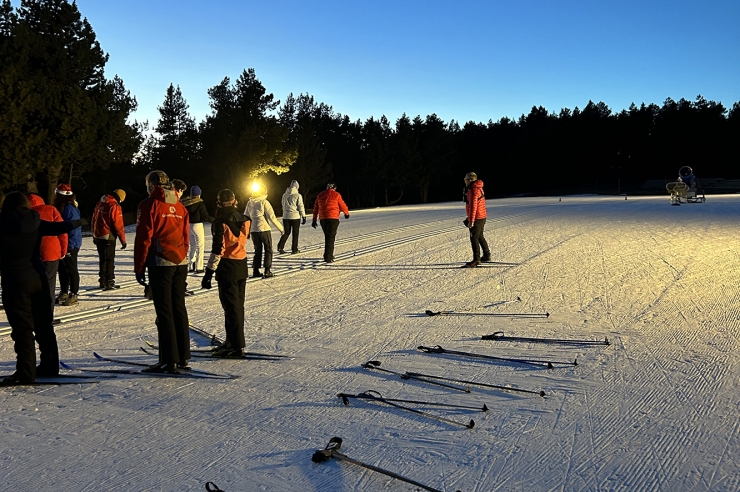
123, 245
303, 222
314, 224
346, 216
470, 226
206, 282
141, 278
465, 222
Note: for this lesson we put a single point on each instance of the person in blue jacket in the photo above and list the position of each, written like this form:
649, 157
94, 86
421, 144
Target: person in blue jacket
69, 275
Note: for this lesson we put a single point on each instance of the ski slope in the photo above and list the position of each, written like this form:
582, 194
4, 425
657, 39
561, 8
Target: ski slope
656, 410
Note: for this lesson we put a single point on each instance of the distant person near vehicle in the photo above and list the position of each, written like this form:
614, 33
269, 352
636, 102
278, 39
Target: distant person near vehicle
475, 206
65, 202
294, 214
161, 248
53, 248
261, 213
107, 226
25, 290
326, 208
230, 230
198, 215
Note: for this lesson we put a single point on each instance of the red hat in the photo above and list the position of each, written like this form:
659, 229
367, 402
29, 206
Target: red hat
64, 189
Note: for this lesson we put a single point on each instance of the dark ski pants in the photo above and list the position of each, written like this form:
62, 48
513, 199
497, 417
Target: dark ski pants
168, 292
477, 240
107, 257
26, 305
260, 240
69, 274
289, 225
232, 293
329, 226
51, 277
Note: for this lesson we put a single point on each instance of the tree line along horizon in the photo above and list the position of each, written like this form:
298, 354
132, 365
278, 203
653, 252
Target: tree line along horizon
62, 120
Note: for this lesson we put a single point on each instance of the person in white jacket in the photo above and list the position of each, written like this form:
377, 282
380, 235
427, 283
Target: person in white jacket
294, 214
261, 214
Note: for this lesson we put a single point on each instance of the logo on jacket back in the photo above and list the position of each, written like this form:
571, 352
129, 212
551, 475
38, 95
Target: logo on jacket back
172, 210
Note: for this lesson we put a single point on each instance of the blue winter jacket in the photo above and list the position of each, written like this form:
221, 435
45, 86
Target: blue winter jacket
69, 213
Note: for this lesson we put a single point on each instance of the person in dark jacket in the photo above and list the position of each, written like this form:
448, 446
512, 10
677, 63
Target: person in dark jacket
69, 275
326, 208
107, 226
25, 292
228, 260
161, 248
198, 215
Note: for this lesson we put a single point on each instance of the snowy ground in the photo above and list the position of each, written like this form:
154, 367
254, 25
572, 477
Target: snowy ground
658, 409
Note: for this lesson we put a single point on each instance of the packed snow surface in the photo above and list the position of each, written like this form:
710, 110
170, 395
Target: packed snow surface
657, 409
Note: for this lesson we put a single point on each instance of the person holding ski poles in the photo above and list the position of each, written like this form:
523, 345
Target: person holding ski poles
326, 208
228, 261
261, 214
161, 247
294, 214
475, 207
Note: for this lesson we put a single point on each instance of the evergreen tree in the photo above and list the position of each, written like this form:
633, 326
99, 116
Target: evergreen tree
177, 144
57, 110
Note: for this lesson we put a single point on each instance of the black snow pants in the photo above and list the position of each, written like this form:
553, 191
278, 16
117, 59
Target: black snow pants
51, 278
329, 226
260, 240
477, 240
289, 225
232, 293
107, 257
168, 292
69, 273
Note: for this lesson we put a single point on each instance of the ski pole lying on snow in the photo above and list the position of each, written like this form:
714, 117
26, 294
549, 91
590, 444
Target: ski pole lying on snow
500, 315
485, 385
501, 303
499, 335
374, 364
332, 451
439, 350
375, 396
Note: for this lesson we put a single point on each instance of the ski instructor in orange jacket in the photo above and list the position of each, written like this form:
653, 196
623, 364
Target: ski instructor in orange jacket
161, 246
327, 206
475, 207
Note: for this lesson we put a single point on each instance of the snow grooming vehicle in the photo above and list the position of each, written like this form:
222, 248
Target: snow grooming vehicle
684, 189
332, 451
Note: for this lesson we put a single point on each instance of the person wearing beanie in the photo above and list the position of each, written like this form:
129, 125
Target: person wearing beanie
161, 249
261, 214
69, 276
475, 221
293, 215
107, 226
228, 260
53, 248
25, 293
198, 212
326, 208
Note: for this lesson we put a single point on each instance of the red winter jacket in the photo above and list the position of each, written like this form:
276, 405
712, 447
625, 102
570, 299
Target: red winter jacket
328, 204
107, 220
475, 202
162, 231
53, 248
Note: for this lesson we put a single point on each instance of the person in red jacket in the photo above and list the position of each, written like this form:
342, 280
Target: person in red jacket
475, 206
161, 247
327, 206
53, 248
107, 225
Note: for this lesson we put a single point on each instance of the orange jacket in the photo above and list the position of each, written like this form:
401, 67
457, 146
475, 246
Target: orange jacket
162, 231
228, 257
107, 220
475, 202
53, 248
328, 204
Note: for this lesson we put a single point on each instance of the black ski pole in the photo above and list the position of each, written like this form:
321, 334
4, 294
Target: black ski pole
375, 364
332, 451
212, 487
499, 315
486, 385
499, 335
439, 350
215, 340
367, 395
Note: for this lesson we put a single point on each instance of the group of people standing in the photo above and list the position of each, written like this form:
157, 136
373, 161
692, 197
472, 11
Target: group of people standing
36, 240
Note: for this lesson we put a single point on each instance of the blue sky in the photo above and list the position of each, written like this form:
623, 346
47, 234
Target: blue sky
463, 60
